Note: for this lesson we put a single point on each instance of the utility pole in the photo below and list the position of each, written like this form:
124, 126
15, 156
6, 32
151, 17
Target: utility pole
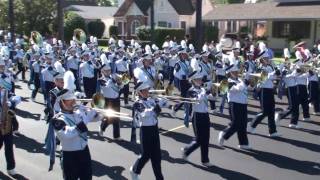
11, 20
152, 20
60, 5
199, 35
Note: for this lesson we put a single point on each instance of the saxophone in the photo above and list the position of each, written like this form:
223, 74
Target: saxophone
6, 116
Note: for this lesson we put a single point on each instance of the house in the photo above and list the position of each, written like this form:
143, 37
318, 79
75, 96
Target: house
167, 13
92, 13
279, 21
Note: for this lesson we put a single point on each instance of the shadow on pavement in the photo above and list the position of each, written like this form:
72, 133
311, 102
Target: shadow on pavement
300, 144
180, 137
280, 161
165, 156
133, 147
310, 131
27, 114
224, 173
113, 172
7, 177
28, 144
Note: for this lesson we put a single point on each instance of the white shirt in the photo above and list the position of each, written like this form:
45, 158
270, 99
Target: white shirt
87, 69
268, 83
73, 63
110, 89
122, 66
238, 93
36, 67
71, 139
48, 74
200, 95
182, 69
144, 114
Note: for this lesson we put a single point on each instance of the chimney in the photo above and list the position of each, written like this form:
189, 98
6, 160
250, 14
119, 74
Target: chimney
194, 3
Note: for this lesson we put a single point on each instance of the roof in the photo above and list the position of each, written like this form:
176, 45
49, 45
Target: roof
142, 4
263, 11
183, 7
93, 12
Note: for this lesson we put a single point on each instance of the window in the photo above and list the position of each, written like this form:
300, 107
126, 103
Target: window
169, 25
120, 28
162, 23
134, 25
183, 25
285, 29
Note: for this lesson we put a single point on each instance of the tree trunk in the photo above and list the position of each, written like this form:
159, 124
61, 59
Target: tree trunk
152, 20
60, 19
199, 35
11, 20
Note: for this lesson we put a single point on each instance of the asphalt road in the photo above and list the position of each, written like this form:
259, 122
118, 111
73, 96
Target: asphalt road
293, 156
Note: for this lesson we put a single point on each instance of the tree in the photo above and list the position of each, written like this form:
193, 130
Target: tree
29, 15
72, 21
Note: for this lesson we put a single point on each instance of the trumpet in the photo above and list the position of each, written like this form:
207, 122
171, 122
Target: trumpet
223, 87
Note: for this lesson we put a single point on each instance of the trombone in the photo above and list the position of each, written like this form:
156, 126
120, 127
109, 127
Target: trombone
98, 104
162, 93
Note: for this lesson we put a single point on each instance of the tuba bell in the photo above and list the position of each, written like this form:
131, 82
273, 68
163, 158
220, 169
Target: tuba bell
79, 36
36, 38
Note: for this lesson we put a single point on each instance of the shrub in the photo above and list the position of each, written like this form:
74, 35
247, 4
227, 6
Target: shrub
144, 34
96, 28
72, 21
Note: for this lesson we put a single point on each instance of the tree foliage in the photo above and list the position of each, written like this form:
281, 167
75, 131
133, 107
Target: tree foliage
30, 15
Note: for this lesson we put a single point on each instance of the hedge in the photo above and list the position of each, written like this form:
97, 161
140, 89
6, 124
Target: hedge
144, 34
96, 28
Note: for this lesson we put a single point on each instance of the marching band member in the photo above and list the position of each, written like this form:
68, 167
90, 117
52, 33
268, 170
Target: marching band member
292, 94
302, 81
73, 63
122, 68
110, 88
207, 70
88, 75
36, 70
267, 104
181, 72
146, 110
47, 76
18, 58
6, 127
70, 125
238, 100
200, 120
313, 86
51, 141
147, 69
